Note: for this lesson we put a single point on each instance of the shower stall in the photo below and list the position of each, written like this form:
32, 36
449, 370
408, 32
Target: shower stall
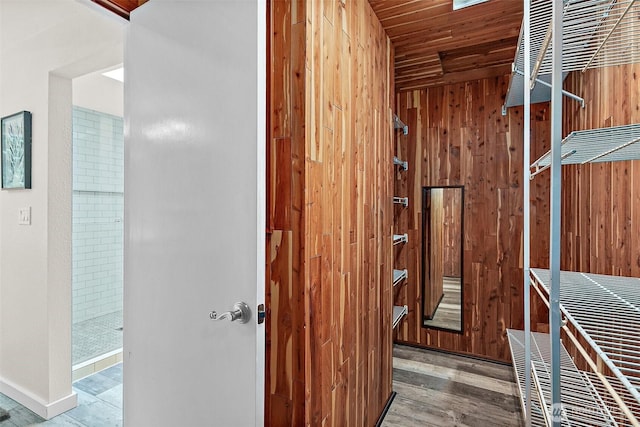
97, 240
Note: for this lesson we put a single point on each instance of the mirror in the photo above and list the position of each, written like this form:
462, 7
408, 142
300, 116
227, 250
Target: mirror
442, 231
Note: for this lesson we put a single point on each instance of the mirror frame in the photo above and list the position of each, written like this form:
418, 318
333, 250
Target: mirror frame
424, 250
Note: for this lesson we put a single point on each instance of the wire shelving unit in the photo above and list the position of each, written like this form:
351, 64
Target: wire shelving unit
583, 405
606, 311
611, 144
602, 309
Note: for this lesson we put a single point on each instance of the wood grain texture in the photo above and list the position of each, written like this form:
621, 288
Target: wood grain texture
285, 343
348, 211
330, 214
434, 235
120, 7
601, 226
464, 140
452, 232
438, 389
436, 45
459, 137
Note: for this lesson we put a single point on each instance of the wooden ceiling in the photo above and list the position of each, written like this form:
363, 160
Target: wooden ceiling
435, 45
120, 7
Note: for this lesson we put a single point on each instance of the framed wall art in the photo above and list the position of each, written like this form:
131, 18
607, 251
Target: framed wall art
16, 150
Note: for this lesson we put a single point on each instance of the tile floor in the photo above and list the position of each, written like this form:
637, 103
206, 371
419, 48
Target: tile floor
99, 404
97, 336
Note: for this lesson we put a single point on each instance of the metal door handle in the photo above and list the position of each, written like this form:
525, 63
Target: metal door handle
241, 312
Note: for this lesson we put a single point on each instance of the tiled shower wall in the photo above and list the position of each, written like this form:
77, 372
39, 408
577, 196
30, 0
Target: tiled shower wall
98, 147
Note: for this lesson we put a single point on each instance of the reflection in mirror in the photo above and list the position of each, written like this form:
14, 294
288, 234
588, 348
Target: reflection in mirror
442, 231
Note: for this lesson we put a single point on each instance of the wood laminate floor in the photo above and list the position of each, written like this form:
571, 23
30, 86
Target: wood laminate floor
448, 315
438, 389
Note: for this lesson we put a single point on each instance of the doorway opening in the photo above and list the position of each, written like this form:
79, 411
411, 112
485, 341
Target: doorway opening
98, 211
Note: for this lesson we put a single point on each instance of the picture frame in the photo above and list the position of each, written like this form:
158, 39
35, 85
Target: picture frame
15, 142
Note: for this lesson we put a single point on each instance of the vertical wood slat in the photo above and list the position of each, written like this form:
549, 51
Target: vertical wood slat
434, 232
601, 213
330, 206
285, 358
347, 83
451, 234
462, 139
604, 238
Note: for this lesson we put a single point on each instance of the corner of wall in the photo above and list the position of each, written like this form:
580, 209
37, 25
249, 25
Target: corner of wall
58, 216
46, 410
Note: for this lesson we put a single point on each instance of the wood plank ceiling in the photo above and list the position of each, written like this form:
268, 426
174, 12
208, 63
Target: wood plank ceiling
435, 45
120, 7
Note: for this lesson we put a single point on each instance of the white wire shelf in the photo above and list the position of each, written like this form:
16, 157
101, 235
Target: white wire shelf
399, 276
611, 144
605, 310
403, 164
400, 238
605, 395
516, 343
581, 403
399, 311
596, 34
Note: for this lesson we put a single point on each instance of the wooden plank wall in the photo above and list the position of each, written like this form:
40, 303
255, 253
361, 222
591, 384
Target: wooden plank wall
452, 224
348, 209
285, 343
434, 233
601, 201
330, 215
457, 136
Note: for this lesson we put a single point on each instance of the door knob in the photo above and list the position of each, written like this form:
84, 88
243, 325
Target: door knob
241, 312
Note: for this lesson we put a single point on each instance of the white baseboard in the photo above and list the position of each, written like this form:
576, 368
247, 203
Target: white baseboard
96, 364
37, 405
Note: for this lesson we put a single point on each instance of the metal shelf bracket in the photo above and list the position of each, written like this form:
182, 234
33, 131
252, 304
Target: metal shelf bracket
398, 124
403, 165
404, 201
564, 92
398, 313
399, 276
400, 238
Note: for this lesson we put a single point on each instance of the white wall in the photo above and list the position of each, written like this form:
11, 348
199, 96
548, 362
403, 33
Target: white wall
97, 92
43, 44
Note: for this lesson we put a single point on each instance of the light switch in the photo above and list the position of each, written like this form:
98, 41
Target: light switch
25, 216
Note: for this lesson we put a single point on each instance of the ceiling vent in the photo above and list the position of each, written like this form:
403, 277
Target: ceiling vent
459, 4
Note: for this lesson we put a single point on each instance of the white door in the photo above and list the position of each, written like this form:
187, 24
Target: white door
194, 213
